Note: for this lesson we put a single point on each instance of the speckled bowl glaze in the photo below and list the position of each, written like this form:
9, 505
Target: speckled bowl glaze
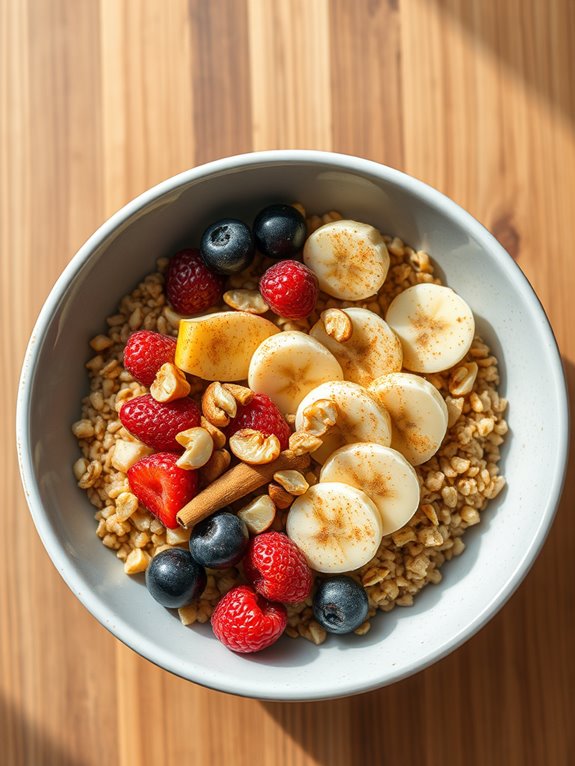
499, 551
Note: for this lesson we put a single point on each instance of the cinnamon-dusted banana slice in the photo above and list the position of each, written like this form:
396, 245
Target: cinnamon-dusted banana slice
288, 365
371, 350
418, 414
383, 474
349, 258
435, 325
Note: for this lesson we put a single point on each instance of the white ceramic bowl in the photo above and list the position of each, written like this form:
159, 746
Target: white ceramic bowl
499, 551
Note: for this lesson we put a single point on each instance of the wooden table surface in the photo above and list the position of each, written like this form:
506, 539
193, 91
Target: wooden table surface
101, 99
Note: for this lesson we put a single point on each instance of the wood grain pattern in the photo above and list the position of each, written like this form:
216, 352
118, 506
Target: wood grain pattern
100, 99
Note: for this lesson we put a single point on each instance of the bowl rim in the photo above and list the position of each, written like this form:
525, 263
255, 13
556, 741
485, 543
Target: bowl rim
95, 604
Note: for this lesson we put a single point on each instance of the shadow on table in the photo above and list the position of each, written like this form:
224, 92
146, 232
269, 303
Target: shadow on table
533, 38
23, 743
462, 709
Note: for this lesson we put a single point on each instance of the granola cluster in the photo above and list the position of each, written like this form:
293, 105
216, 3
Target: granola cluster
456, 484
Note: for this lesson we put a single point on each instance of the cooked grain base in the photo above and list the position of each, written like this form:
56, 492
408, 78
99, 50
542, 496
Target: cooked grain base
456, 484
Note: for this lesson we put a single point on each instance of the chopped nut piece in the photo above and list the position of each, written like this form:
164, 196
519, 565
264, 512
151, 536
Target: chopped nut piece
292, 481
454, 409
137, 561
259, 514
337, 324
126, 454
302, 442
363, 629
218, 405
319, 417
218, 437
463, 379
169, 384
188, 614
241, 394
199, 446
101, 342
216, 466
246, 300
253, 447
280, 497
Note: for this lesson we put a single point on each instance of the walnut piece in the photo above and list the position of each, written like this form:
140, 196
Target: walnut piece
169, 384
253, 447
259, 514
337, 324
293, 482
198, 445
218, 405
246, 300
319, 417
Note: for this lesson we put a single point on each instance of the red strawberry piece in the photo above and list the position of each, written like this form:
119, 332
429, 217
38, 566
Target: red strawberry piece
245, 622
157, 423
190, 286
290, 289
145, 352
161, 486
261, 414
277, 568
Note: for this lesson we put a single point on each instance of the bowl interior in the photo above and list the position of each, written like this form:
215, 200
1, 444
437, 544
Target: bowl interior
508, 316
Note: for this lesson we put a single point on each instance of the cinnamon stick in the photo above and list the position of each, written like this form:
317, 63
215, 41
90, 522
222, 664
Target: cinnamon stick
236, 483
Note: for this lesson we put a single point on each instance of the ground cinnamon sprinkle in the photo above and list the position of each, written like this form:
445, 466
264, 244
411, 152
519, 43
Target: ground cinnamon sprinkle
456, 484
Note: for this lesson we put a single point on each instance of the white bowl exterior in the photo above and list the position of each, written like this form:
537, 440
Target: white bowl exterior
499, 551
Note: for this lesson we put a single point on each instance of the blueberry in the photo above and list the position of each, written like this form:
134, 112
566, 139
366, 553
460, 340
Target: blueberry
227, 246
219, 541
174, 579
279, 231
340, 605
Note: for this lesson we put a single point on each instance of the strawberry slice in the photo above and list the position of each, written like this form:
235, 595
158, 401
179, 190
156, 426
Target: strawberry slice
161, 486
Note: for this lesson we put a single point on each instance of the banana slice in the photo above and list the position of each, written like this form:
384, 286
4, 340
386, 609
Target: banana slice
288, 365
219, 346
336, 526
435, 326
418, 414
372, 350
359, 417
383, 474
350, 259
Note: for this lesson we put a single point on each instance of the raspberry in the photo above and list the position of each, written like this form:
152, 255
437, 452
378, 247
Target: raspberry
157, 423
277, 568
161, 486
245, 622
261, 414
145, 352
190, 286
290, 289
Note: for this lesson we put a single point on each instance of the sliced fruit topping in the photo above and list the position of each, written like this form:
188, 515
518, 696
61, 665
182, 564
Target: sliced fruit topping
158, 423
350, 259
290, 289
337, 527
220, 346
261, 414
220, 541
418, 414
436, 327
340, 604
277, 568
161, 486
279, 231
190, 286
174, 579
227, 246
358, 418
383, 474
145, 352
372, 348
246, 622
288, 365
